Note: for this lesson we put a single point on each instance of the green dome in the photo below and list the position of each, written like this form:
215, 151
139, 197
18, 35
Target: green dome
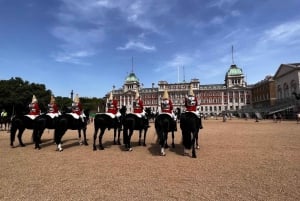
131, 78
234, 70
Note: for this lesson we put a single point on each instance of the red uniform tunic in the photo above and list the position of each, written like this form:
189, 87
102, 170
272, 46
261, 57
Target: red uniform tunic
138, 106
52, 108
191, 104
34, 109
112, 107
167, 106
77, 108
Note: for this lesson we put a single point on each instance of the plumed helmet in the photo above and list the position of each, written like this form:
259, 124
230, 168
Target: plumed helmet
191, 93
34, 100
137, 95
76, 99
110, 96
166, 94
52, 99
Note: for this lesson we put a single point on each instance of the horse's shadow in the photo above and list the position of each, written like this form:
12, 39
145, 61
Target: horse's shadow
133, 145
154, 149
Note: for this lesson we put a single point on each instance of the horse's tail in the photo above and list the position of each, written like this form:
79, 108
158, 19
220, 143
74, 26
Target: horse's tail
60, 129
190, 127
162, 126
187, 139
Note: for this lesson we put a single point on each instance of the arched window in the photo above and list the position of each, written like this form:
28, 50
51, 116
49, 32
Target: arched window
279, 90
293, 86
285, 90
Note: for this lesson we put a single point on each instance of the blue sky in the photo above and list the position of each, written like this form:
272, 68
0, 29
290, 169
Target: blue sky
88, 45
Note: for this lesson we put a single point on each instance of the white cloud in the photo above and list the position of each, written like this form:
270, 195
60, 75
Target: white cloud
286, 32
137, 46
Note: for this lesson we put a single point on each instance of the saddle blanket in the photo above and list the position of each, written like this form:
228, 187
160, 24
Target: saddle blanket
76, 116
53, 115
31, 116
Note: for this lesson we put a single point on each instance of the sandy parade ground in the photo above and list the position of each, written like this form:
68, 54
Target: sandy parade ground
237, 160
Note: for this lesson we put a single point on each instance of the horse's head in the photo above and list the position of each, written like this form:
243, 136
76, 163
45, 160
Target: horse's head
123, 110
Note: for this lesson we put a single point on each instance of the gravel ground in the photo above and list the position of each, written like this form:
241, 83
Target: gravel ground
237, 160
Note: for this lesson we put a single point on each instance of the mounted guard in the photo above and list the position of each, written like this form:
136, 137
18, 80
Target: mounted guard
77, 110
112, 108
53, 110
138, 109
34, 109
167, 107
191, 104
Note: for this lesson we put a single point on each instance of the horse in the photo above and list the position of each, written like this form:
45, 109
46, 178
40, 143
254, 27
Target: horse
5, 121
190, 124
20, 123
104, 121
150, 114
42, 122
164, 124
67, 121
134, 122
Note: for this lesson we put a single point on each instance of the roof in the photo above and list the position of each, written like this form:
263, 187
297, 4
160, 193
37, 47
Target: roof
234, 70
132, 78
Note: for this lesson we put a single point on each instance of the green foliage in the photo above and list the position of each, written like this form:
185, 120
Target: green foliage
17, 93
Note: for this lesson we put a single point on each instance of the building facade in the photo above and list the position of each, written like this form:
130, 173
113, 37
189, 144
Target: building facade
213, 99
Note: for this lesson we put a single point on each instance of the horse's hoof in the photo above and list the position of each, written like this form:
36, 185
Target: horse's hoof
198, 147
86, 144
101, 148
130, 149
22, 145
166, 146
163, 154
94, 149
144, 145
173, 145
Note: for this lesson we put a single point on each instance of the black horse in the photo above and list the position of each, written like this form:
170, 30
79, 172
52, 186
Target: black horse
67, 121
164, 124
134, 122
5, 122
190, 125
103, 121
20, 123
150, 114
42, 122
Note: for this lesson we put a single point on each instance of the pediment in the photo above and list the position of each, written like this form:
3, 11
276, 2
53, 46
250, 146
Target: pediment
283, 70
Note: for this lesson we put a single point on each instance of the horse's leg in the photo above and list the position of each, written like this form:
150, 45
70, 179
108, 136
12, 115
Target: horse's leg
165, 140
58, 136
129, 148
84, 137
100, 139
13, 131
162, 143
20, 137
95, 137
37, 139
145, 132
140, 137
119, 133
79, 137
193, 145
173, 144
115, 135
